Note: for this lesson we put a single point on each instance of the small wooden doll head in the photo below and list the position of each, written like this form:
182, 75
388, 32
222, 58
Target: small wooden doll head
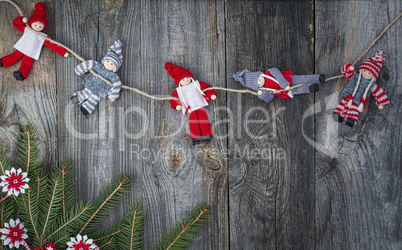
38, 20
185, 81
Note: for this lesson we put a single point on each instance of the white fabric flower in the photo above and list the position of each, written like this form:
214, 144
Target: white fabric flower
14, 234
14, 182
81, 243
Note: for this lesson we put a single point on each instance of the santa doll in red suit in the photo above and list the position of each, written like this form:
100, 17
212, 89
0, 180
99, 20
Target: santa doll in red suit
30, 44
192, 99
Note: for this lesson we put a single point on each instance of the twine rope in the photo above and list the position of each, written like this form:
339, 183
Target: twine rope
370, 45
163, 98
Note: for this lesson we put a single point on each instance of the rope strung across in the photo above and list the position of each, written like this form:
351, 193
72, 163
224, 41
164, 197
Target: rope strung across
79, 57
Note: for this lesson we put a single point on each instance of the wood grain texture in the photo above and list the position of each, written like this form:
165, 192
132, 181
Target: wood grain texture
100, 145
278, 175
34, 99
358, 171
272, 184
189, 34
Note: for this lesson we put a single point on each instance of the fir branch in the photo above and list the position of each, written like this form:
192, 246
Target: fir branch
67, 180
185, 231
132, 228
66, 224
63, 172
38, 192
28, 133
62, 238
27, 149
30, 213
112, 198
2, 158
50, 207
109, 235
109, 242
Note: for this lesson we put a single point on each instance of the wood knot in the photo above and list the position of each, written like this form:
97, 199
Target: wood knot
209, 158
175, 160
385, 76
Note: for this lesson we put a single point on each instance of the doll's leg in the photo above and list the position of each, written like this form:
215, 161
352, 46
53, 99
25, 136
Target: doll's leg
195, 129
89, 105
205, 126
81, 96
341, 110
310, 83
11, 59
23, 71
352, 115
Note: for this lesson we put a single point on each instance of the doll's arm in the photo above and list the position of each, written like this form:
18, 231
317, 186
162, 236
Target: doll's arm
278, 76
114, 92
348, 70
210, 92
175, 103
265, 96
380, 96
56, 48
82, 68
19, 24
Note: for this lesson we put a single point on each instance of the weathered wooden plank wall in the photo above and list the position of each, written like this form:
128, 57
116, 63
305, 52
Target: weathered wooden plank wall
272, 193
358, 171
296, 179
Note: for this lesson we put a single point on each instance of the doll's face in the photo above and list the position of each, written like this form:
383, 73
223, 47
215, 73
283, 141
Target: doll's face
260, 82
185, 81
109, 65
38, 26
367, 74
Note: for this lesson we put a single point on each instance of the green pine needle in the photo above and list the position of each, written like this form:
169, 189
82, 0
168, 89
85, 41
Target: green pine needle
49, 212
132, 228
185, 231
106, 203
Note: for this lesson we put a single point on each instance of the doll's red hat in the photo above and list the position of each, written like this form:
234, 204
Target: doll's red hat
373, 64
177, 73
39, 14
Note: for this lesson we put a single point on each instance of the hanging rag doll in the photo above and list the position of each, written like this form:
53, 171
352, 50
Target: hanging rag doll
95, 88
192, 100
275, 83
356, 94
30, 44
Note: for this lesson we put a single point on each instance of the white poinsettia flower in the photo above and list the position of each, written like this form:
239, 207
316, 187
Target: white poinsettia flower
14, 182
14, 233
81, 243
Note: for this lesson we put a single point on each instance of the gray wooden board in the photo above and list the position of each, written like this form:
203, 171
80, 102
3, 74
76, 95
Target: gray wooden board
296, 179
358, 170
271, 188
33, 99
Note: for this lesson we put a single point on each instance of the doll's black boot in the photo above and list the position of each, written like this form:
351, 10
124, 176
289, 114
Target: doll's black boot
1, 64
322, 78
340, 119
18, 76
313, 88
75, 99
84, 111
350, 122
196, 141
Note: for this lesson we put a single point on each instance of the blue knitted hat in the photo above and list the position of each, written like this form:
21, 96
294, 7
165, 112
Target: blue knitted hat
114, 53
248, 79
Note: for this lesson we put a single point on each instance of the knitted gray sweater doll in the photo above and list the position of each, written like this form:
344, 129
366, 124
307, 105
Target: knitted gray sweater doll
277, 83
95, 88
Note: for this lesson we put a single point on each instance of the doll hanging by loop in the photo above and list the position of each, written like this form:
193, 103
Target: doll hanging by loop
30, 44
96, 88
281, 84
357, 92
192, 99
